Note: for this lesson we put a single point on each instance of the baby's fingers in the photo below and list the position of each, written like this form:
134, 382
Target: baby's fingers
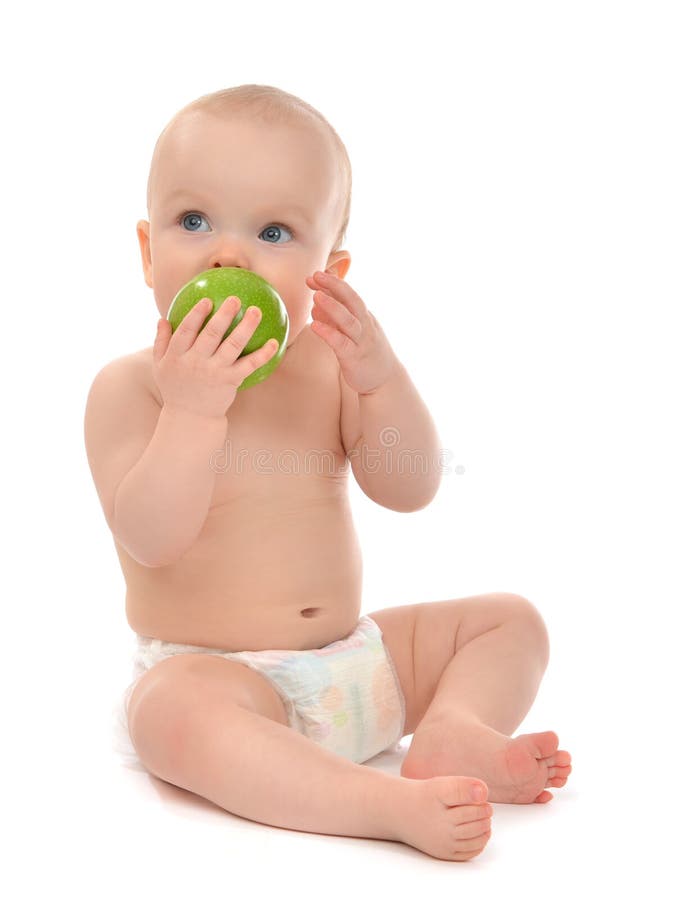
188, 329
246, 365
162, 338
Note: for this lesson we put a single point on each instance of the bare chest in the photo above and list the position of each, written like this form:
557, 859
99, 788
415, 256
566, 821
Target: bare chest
283, 440
283, 437
277, 562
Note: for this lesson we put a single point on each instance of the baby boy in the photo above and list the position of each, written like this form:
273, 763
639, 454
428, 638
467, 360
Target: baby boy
257, 682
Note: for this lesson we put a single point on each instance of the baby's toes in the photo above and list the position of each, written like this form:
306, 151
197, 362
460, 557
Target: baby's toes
559, 769
467, 848
559, 765
561, 758
555, 782
470, 830
558, 777
546, 743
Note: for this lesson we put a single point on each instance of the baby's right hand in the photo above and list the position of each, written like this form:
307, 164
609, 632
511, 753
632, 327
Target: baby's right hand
198, 371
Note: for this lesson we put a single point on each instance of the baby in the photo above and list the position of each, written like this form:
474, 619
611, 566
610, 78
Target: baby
257, 683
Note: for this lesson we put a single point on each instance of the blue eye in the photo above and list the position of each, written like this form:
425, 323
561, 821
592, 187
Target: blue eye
273, 232
193, 221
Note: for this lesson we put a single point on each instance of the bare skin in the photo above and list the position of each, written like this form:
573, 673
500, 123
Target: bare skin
284, 502
276, 562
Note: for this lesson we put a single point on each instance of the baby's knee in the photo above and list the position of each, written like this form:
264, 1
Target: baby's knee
529, 619
157, 715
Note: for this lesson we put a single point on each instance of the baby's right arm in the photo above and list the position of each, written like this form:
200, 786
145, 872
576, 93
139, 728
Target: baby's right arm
151, 464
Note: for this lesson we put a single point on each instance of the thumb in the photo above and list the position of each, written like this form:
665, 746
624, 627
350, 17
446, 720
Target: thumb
162, 339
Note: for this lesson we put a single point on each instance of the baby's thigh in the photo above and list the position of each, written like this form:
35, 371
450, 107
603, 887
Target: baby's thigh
181, 689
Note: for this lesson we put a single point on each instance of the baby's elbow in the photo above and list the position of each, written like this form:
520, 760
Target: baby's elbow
399, 494
417, 498
404, 503
410, 506
159, 561
146, 558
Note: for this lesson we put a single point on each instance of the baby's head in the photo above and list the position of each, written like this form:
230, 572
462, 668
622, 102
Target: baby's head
252, 177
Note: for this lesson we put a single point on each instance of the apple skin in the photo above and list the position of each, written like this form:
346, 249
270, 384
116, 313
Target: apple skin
252, 290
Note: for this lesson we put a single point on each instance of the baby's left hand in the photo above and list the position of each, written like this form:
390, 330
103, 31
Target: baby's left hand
343, 321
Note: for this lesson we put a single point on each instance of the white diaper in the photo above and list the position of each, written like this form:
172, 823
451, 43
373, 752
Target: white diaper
345, 696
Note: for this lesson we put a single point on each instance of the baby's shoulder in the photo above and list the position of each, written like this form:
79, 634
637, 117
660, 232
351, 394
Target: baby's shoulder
130, 373
123, 384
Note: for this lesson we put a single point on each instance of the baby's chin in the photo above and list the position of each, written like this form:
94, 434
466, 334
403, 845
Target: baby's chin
293, 338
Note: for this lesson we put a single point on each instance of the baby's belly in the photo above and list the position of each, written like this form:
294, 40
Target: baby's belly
288, 576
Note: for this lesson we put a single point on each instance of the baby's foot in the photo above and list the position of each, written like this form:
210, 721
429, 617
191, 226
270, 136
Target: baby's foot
442, 817
516, 770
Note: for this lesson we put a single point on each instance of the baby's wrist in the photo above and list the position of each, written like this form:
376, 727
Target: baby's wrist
190, 419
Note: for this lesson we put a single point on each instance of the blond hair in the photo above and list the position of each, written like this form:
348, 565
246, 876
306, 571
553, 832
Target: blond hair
272, 105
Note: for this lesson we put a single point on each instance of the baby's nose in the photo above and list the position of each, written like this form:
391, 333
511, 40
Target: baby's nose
230, 254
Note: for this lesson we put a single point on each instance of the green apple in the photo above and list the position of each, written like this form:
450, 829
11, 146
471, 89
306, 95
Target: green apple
252, 290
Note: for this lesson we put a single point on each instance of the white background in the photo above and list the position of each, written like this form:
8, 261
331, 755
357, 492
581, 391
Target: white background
512, 231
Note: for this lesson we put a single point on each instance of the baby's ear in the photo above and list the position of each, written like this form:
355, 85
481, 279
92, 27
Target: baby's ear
339, 263
143, 232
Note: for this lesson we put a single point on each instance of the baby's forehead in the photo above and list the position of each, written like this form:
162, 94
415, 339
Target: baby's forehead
201, 133
192, 128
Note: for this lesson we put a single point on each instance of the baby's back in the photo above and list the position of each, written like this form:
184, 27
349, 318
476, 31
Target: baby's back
277, 563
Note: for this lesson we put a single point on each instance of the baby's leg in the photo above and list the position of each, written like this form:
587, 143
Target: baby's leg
479, 663
217, 728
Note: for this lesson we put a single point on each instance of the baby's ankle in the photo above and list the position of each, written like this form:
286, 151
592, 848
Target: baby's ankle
387, 799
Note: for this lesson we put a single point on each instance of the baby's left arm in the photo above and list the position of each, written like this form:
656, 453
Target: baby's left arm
387, 430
